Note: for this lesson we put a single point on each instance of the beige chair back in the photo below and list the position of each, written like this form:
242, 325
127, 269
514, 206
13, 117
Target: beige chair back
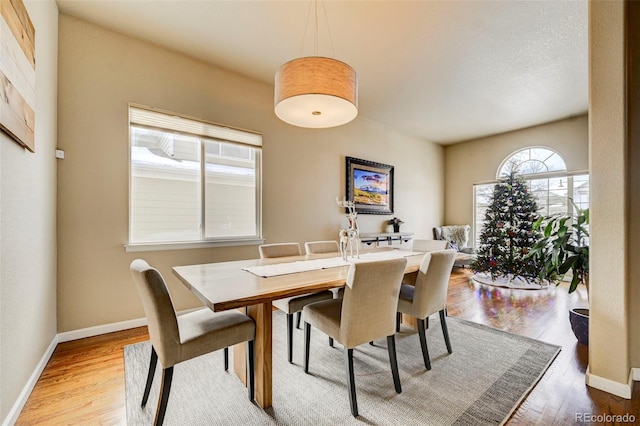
316, 247
159, 310
429, 245
370, 301
432, 283
279, 250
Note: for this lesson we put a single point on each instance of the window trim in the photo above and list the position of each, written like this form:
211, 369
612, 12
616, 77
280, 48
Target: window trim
204, 242
185, 245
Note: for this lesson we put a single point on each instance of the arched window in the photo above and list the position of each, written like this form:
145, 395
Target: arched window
530, 161
546, 173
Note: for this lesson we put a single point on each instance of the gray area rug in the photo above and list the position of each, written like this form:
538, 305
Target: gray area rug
481, 383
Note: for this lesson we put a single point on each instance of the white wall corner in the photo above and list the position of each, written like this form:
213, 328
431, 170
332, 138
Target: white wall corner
622, 390
15, 411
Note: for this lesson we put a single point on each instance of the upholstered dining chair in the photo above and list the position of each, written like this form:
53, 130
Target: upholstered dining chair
429, 295
175, 339
279, 250
291, 305
425, 246
320, 247
429, 245
366, 312
316, 247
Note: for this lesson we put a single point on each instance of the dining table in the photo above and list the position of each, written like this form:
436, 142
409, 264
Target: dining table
223, 286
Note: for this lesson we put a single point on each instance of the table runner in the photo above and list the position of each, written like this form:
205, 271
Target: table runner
285, 268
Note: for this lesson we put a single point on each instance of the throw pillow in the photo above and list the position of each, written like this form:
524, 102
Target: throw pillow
457, 234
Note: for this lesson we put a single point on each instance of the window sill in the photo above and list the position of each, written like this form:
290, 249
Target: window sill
190, 245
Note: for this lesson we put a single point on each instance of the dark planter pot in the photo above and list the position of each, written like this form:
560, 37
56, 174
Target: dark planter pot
396, 228
579, 318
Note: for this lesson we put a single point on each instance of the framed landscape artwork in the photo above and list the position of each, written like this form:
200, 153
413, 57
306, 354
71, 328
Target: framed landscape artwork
370, 186
17, 73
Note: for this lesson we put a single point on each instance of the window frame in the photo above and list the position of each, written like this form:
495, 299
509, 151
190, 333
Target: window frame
528, 178
203, 242
510, 157
570, 185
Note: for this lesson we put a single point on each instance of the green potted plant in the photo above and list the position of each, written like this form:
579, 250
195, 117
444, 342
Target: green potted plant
564, 247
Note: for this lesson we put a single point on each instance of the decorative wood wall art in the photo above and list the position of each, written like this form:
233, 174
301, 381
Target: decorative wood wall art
370, 186
17, 73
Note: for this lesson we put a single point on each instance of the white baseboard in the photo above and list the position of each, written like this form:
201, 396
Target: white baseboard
636, 374
68, 336
98, 330
622, 390
14, 413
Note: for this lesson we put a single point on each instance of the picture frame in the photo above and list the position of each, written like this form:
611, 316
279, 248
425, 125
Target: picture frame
369, 186
17, 74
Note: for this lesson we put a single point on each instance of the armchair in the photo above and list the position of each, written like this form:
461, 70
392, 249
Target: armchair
458, 238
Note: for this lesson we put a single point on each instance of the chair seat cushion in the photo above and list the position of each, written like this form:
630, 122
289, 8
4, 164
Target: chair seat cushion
204, 331
325, 316
405, 300
407, 291
291, 305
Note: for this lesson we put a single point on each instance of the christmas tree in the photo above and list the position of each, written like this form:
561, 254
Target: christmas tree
507, 234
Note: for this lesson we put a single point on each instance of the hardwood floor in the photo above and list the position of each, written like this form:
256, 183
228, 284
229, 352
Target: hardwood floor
83, 382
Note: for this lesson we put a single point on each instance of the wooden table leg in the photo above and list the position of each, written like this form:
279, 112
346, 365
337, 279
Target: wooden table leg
408, 320
261, 314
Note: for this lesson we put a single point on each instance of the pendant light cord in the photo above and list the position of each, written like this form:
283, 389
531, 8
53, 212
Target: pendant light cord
324, 9
316, 35
306, 27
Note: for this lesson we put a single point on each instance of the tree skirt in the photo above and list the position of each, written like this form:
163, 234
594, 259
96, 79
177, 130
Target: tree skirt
509, 281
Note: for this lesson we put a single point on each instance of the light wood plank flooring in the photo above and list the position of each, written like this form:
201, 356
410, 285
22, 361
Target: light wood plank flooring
83, 382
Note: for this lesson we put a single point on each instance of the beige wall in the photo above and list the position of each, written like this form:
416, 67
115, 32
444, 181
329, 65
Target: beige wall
28, 225
609, 332
303, 170
478, 160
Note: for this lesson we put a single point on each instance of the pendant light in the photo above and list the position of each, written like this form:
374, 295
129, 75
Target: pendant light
315, 91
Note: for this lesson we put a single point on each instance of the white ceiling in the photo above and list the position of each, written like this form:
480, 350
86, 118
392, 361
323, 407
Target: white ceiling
443, 71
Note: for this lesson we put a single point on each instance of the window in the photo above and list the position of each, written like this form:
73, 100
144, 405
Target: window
546, 173
192, 181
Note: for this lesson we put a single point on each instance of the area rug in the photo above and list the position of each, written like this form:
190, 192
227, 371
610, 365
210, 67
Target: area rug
481, 383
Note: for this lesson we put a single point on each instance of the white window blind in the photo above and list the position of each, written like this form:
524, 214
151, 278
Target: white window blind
191, 180
168, 121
